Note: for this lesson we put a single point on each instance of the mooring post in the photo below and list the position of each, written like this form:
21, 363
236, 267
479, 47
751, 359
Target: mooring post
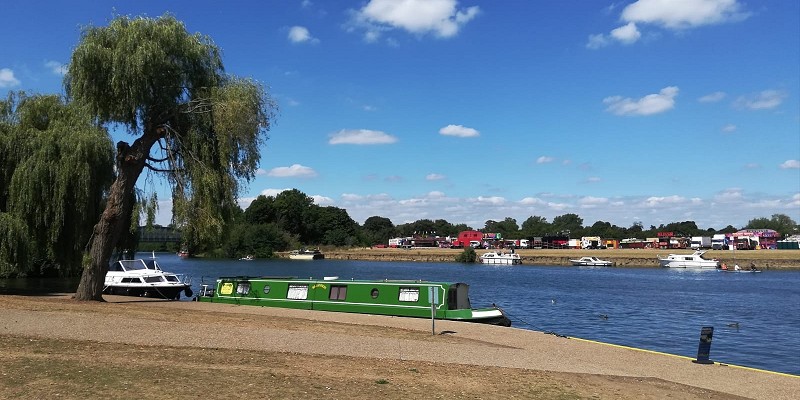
703, 350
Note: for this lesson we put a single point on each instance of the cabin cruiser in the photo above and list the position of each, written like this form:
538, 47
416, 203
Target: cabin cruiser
306, 255
145, 278
500, 258
591, 262
691, 261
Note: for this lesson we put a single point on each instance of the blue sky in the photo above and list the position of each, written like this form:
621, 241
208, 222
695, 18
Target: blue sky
651, 111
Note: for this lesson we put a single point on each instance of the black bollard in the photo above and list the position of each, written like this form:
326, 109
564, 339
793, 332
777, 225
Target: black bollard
706, 334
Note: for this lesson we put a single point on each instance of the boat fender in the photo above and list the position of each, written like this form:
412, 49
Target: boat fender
188, 292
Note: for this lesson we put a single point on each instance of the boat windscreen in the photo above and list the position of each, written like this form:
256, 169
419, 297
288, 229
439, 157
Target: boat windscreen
132, 265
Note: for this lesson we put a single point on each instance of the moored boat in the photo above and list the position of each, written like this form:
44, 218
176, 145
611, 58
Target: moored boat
591, 261
305, 254
690, 261
142, 277
403, 298
500, 258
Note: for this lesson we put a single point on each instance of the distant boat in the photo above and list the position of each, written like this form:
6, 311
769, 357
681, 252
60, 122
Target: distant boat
248, 257
499, 258
689, 261
183, 254
305, 254
402, 298
591, 262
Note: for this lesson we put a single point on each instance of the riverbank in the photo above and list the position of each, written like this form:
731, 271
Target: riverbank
133, 347
763, 259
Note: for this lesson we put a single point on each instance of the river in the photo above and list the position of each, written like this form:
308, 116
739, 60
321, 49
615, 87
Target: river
756, 317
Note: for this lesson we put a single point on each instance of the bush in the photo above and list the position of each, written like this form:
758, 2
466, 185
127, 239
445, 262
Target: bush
467, 256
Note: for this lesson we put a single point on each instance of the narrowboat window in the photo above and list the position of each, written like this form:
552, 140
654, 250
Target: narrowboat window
297, 292
266, 289
374, 293
338, 292
243, 288
409, 294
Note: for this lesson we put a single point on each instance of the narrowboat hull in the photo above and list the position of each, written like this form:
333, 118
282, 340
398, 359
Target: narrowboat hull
381, 297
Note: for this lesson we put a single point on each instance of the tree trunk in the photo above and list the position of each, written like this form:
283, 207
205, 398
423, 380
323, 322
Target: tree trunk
115, 218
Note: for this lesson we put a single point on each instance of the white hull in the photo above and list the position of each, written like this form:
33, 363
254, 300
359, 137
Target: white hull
306, 255
591, 262
145, 278
688, 261
501, 259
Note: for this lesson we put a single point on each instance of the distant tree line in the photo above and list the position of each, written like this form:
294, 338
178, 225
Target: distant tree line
292, 220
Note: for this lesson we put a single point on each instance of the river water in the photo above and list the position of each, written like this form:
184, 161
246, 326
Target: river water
756, 317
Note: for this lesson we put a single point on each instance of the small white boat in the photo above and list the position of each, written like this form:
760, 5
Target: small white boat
145, 278
499, 258
306, 255
691, 261
591, 262
248, 257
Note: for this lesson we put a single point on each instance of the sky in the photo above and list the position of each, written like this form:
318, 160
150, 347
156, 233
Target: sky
648, 111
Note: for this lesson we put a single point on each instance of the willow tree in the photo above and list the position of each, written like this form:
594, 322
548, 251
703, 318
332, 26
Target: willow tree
192, 124
55, 168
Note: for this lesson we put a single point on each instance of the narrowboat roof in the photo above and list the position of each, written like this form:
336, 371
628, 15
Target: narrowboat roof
335, 279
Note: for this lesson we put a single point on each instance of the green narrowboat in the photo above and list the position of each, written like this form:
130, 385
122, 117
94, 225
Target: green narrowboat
402, 298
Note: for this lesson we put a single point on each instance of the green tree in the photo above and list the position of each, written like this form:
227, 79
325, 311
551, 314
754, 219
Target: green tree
781, 223
535, 226
55, 166
291, 212
378, 230
194, 124
571, 223
331, 226
261, 211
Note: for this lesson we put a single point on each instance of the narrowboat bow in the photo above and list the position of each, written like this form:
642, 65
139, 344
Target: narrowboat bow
402, 298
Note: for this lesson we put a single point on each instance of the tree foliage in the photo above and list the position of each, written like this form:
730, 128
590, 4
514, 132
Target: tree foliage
196, 126
55, 168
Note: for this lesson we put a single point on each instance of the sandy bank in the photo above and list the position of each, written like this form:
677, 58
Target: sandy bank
585, 368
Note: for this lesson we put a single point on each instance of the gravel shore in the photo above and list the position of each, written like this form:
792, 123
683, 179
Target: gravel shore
223, 326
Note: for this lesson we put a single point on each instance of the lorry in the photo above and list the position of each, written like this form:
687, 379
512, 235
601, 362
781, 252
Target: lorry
719, 242
701, 242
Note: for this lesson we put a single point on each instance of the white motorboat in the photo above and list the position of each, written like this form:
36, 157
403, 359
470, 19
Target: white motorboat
306, 255
145, 278
499, 258
692, 261
591, 262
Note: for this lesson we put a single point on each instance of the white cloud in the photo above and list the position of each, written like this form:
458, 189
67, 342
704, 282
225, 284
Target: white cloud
790, 164
441, 18
494, 200
294, 171
592, 202
668, 14
683, 14
322, 200
458, 131
7, 78
56, 67
593, 179
626, 34
761, 101
300, 34
545, 160
729, 128
647, 105
435, 177
597, 41
361, 136
712, 97
655, 201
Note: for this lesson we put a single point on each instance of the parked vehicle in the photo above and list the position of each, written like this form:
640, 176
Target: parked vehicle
701, 242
